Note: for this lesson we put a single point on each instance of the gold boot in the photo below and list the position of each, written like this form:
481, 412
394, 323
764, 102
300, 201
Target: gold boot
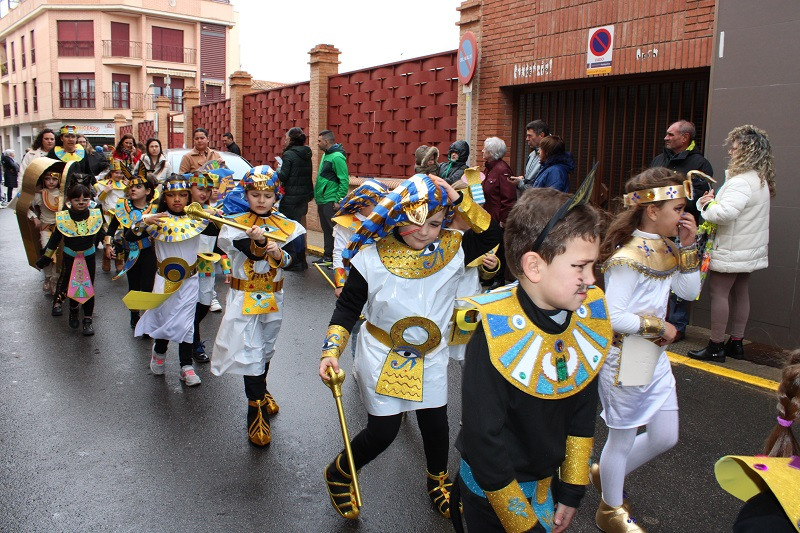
594, 479
270, 403
439, 486
615, 520
340, 489
258, 430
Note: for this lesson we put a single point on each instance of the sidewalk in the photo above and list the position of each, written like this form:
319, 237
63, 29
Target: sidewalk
314, 244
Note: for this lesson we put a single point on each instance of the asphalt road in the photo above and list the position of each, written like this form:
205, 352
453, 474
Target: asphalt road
90, 440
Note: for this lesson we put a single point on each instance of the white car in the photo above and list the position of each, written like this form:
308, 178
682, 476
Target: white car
237, 163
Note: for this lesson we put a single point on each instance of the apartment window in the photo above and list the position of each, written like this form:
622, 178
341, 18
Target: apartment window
25, 97
33, 50
35, 96
167, 45
75, 38
76, 90
13, 59
120, 91
22, 49
16, 109
176, 91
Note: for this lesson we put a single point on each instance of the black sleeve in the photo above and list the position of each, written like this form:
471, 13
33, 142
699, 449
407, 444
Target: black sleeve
707, 168
243, 245
211, 230
131, 236
286, 169
477, 244
351, 301
55, 239
113, 226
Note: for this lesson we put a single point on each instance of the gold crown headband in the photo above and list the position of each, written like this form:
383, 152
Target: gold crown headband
660, 194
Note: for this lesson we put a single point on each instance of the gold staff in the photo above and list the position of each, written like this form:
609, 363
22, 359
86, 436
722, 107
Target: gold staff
335, 384
324, 275
196, 211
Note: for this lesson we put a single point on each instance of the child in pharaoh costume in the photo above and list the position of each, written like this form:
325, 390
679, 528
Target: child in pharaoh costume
46, 203
110, 190
642, 264
246, 338
529, 396
78, 227
171, 305
139, 254
401, 355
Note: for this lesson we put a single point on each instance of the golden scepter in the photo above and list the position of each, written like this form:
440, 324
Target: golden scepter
335, 384
196, 211
324, 275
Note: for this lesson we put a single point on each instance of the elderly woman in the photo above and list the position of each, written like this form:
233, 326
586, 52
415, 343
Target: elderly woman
10, 173
740, 209
43, 143
500, 192
556, 163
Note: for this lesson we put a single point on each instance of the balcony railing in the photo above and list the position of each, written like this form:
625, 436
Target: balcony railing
122, 49
173, 54
120, 100
6, 110
75, 48
76, 100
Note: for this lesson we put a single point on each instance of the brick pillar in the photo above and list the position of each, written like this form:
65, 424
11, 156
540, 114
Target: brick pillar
119, 121
241, 84
324, 63
162, 119
137, 118
191, 98
470, 20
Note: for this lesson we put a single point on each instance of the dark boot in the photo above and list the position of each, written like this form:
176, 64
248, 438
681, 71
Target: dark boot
73, 317
88, 330
134, 319
57, 309
714, 352
734, 348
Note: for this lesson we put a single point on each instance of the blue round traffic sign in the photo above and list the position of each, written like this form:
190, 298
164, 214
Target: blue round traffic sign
600, 42
467, 57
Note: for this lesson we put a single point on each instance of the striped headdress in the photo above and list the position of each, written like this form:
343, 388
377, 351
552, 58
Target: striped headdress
368, 193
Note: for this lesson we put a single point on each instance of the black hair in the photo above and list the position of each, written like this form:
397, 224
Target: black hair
538, 126
205, 131
297, 137
79, 190
37, 142
228, 134
327, 135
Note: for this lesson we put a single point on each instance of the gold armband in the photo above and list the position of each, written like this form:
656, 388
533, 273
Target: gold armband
49, 253
489, 274
651, 327
107, 240
512, 508
258, 250
575, 468
689, 260
335, 341
475, 215
273, 263
339, 277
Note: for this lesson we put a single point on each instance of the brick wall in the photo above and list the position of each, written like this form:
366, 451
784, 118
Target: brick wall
214, 117
146, 131
126, 130
267, 116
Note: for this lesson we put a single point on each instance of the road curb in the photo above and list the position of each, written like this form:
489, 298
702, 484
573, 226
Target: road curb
750, 379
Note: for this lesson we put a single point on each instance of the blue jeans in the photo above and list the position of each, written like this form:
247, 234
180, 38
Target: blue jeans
678, 312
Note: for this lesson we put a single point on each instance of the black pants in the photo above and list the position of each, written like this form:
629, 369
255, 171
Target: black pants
382, 430
10, 193
478, 513
326, 212
200, 312
184, 350
142, 274
256, 386
64, 279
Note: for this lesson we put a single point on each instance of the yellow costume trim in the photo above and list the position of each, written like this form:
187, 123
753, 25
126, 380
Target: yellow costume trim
512, 508
405, 262
335, 340
65, 156
339, 277
689, 260
277, 226
129, 215
651, 327
660, 194
51, 201
479, 260
575, 468
349, 221
475, 215
655, 258
402, 372
745, 477
259, 289
81, 228
174, 270
176, 228
225, 263
259, 250
544, 365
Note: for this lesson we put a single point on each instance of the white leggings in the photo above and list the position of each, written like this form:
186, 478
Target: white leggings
625, 451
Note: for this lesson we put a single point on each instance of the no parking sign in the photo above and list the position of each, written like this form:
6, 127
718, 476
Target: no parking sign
599, 49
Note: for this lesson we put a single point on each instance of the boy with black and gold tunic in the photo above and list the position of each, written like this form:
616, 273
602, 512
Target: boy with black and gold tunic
529, 396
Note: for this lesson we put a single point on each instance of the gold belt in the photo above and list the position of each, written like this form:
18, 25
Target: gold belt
257, 285
382, 336
176, 269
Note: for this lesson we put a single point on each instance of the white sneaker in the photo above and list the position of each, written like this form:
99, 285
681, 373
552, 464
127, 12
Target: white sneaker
157, 362
189, 377
215, 306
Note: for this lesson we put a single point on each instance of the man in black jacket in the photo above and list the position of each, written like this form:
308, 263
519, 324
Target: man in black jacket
230, 146
682, 155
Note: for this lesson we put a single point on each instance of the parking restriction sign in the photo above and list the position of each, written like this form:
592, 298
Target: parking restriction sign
599, 49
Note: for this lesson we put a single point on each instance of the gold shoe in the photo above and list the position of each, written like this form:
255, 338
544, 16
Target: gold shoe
341, 490
594, 479
270, 403
615, 520
439, 486
258, 431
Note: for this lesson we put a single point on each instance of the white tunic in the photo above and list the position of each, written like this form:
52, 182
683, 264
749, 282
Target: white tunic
173, 320
246, 343
392, 298
630, 294
206, 283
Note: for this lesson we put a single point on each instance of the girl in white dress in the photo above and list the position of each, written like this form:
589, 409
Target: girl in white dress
642, 264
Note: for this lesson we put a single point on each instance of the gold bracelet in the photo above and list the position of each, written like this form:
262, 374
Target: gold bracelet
512, 508
575, 468
257, 249
689, 259
651, 327
335, 340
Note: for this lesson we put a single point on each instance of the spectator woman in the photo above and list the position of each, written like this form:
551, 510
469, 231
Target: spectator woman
499, 191
741, 212
556, 163
10, 173
127, 153
43, 143
153, 162
295, 177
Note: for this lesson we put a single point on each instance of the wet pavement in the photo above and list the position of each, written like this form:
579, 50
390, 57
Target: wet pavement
90, 440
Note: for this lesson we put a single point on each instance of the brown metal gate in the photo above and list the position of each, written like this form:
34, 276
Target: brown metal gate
619, 122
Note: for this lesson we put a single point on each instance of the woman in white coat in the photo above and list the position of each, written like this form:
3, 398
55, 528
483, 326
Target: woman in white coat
741, 212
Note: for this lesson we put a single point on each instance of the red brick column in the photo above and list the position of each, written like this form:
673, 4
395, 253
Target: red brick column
162, 113
241, 84
191, 98
119, 121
